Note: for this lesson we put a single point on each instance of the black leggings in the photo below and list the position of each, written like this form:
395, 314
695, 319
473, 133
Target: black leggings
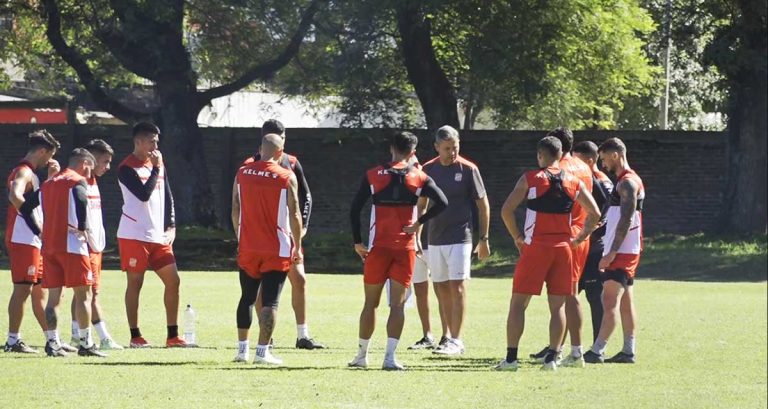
249, 289
592, 285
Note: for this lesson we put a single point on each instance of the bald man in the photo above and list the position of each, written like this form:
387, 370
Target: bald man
265, 205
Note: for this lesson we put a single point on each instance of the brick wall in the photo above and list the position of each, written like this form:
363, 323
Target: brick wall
683, 171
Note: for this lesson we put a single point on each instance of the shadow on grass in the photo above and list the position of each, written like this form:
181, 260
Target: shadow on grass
141, 363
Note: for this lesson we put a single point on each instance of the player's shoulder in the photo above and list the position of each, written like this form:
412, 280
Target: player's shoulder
466, 163
131, 161
430, 163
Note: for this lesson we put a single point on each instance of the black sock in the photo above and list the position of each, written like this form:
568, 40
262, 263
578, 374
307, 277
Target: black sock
173, 331
135, 333
511, 355
551, 355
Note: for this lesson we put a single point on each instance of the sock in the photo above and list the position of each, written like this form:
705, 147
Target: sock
101, 328
13, 338
302, 331
242, 347
389, 354
629, 345
551, 355
261, 350
362, 352
599, 346
135, 332
75, 329
173, 331
576, 351
53, 336
511, 355
85, 337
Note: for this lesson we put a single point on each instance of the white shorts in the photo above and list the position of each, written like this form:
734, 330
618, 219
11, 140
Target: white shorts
421, 270
450, 262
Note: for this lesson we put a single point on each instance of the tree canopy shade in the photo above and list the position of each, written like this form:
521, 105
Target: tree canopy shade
112, 44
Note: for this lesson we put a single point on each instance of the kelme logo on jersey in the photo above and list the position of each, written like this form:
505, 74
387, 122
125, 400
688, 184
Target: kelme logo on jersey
262, 173
457, 177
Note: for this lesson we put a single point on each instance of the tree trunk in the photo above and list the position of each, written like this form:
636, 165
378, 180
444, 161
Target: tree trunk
436, 93
745, 197
182, 145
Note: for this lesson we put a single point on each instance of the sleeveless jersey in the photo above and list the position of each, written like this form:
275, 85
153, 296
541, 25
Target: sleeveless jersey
582, 172
59, 208
633, 241
96, 234
143, 221
16, 229
548, 214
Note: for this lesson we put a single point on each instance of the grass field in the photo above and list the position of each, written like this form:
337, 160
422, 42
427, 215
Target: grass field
700, 345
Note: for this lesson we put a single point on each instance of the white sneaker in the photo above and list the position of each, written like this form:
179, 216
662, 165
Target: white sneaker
241, 357
572, 362
392, 366
267, 359
73, 341
453, 347
549, 366
358, 362
506, 366
110, 344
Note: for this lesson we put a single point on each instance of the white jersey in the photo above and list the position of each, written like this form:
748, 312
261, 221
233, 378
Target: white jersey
17, 230
633, 241
143, 218
97, 239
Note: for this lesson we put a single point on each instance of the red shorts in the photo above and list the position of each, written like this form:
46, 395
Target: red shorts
254, 264
67, 270
136, 256
26, 263
383, 263
625, 262
96, 268
579, 255
541, 263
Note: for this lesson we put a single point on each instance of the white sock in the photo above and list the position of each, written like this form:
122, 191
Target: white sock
629, 345
576, 351
362, 351
85, 337
599, 346
75, 329
101, 328
13, 338
261, 350
53, 336
302, 331
242, 347
389, 354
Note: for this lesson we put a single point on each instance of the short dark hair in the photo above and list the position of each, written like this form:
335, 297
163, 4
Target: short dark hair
143, 128
404, 142
80, 154
272, 126
613, 145
565, 136
43, 138
586, 148
99, 146
550, 146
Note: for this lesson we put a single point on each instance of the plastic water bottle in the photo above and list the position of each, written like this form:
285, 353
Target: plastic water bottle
189, 325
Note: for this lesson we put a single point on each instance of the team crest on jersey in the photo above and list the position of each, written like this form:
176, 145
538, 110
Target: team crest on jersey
132, 262
31, 270
457, 177
90, 276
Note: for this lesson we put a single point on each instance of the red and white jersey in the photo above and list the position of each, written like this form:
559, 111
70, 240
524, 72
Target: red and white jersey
264, 223
390, 214
143, 220
16, 229
549, 228
59, 203
633, 241
96, 235
581, 170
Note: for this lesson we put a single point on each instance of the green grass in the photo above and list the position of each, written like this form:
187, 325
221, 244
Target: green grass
700, 345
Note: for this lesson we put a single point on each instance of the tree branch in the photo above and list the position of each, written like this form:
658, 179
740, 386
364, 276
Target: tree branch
268, 68
72, 57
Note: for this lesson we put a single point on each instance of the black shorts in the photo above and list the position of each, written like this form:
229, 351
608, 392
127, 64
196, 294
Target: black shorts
271, 287
619, 276
591, 275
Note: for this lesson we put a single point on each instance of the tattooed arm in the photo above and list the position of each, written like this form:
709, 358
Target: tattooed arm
628, 191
